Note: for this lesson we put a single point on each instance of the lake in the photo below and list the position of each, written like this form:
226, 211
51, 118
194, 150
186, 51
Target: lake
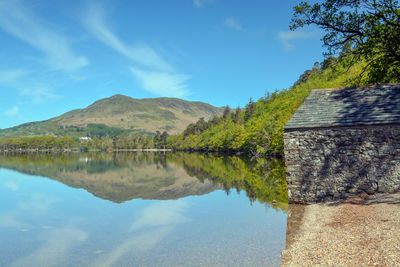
141, 209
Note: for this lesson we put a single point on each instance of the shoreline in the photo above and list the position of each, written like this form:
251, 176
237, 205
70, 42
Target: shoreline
359, 231
77, 150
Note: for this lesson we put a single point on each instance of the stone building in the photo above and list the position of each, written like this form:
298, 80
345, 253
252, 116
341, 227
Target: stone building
344, 141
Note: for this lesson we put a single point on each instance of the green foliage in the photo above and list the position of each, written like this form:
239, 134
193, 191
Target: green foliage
227, 112
160, 139
362, 30
102, 130
124, 141
258, 128
249, 110
37, 143
262, 180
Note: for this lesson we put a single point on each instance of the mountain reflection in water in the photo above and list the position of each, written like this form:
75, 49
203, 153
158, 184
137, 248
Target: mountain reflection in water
124, 176
148, 209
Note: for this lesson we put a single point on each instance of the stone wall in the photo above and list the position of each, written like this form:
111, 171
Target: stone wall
333, 163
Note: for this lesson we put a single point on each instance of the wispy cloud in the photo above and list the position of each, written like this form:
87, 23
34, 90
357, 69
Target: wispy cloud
12, 112
141, 54
201, 3
288, 36
162, 83
20, 22
233, 24
12, 76
39, 94
154, 74
27, 85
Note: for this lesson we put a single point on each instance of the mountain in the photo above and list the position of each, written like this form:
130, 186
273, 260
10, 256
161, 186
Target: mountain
121, 112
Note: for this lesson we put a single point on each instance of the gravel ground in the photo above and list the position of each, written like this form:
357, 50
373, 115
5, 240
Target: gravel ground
361, 231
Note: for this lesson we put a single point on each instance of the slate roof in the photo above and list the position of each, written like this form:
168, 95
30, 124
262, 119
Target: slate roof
367, 105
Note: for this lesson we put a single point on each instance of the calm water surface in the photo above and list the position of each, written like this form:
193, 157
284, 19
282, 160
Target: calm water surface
140, 209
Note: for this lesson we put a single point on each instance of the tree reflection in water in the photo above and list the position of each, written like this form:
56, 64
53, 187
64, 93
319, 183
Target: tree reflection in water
121, 177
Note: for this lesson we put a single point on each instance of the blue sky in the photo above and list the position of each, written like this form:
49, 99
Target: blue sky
61, 55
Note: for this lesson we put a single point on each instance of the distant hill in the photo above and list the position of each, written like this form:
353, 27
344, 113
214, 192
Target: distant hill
120, 113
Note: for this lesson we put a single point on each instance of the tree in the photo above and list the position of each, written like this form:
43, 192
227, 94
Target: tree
163, 139
249, 110
266, 96
361, 29
236, 115
157, 139
227, 112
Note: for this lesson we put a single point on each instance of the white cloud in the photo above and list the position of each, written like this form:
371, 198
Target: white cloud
288, 36
162, 83
39, 94
158, 77
12, 112
201, 3
26, 84
141, 54
18, 21
12, 76
233, 24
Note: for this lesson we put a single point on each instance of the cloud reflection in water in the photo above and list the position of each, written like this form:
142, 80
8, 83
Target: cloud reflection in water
155, 223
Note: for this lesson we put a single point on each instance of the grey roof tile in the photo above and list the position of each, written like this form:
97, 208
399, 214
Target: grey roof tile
366, 105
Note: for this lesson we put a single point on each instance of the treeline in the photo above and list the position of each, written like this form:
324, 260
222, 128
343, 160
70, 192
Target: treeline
123, 141
37, 143
258, 128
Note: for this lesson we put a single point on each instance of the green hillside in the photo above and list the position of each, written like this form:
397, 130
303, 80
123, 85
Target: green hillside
118, 114
258, 128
